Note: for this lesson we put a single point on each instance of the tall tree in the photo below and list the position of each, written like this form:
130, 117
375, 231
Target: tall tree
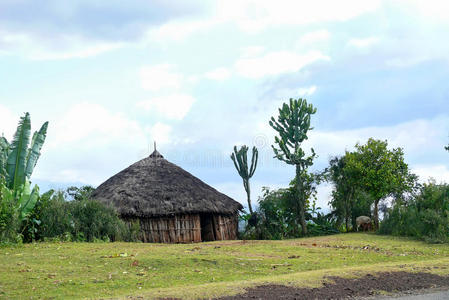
292, 126
240, 159
345, 186
381, 172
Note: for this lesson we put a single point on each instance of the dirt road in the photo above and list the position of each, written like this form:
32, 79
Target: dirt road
363, 287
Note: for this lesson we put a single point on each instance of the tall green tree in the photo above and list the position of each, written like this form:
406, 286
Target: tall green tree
345, 187
381, 172
240, 159
292, 126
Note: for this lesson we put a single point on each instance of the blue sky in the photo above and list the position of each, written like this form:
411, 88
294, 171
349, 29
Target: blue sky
202, 76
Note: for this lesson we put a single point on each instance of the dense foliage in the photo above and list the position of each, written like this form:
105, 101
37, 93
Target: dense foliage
424, 215
345, 190
277, 216
9, 214
380, 171
365, 178
80, 219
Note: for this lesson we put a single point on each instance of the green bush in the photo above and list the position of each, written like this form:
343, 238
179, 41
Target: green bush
277, 218
80, 219
9, 215
320, 224
53, 212
93, 220
424, 216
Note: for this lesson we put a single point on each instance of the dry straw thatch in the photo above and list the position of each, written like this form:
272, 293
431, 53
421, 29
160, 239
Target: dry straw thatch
154, 187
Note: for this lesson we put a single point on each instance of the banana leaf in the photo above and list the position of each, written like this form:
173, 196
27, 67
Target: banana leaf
16, 162
35, 149
27, 200
4, 151
5, 193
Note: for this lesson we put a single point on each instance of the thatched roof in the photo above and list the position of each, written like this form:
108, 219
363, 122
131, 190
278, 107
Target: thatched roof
155, 187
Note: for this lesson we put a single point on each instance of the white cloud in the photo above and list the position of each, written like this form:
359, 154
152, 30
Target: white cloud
253, 16
8, 122
251, 51
324, 195
92, 124
437, 10
175, 106
276, 63
178, 30
287, 93
160, 133
68, 46
313, 37
406, 60
363, 43
307, 91
154, 78
427, 134
438, 172
219, 74
80, 51
87, 143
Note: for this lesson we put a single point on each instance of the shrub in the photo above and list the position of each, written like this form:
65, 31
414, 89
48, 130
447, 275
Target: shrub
9, 215
277, 218
424, 216
321, 224
93, 220
54, 214
80, 219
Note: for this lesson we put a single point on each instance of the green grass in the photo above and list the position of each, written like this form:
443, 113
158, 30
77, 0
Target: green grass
104, 270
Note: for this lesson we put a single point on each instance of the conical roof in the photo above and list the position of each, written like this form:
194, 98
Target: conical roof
154, 187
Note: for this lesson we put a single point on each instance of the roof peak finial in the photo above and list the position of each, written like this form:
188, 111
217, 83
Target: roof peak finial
155, 153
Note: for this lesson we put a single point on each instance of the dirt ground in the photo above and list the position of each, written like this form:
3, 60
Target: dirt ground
340, 288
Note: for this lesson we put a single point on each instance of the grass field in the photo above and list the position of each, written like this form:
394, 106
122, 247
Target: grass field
94, 270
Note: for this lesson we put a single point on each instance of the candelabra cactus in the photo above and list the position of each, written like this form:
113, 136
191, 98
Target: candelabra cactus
292, 126
240, 159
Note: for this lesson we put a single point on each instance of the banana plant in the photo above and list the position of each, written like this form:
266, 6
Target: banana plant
27, 199
17, 162
18, 159
34, 152
4, 152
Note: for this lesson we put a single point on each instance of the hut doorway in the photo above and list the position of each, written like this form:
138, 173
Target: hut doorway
207, 227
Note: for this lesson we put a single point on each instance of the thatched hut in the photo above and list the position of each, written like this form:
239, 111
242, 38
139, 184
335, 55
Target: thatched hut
171, 205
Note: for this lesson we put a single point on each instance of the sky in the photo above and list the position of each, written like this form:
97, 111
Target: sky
199, 77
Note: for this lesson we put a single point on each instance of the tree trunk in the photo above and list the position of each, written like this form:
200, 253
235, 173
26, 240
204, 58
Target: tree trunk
349, 205
248, 195
301, 199
303, 219
376, 214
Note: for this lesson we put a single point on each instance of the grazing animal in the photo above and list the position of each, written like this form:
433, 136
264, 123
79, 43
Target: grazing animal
364, 222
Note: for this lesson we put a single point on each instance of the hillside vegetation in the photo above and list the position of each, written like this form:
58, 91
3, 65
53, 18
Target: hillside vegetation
78, 270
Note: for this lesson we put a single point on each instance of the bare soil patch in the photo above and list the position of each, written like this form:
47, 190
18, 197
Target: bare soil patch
341, 288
